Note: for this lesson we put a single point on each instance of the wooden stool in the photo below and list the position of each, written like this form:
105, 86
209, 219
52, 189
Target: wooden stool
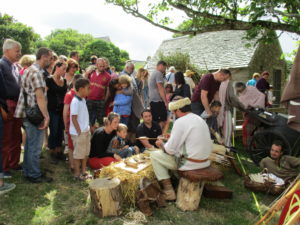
191, 186
106, 197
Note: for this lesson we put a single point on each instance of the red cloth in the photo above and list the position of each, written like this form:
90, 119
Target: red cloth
68, 99
98, 84
12, 138
209, 84
97, 163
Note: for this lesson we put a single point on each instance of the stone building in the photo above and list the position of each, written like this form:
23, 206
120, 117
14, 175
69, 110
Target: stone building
229, 49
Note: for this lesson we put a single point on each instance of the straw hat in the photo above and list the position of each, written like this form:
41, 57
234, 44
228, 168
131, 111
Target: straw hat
189, 73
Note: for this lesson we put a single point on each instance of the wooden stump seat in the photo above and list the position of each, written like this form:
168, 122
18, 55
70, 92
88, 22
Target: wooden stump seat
191, 185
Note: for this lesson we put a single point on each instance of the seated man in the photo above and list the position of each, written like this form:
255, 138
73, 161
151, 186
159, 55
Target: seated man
188, 148
283, 166
149, 129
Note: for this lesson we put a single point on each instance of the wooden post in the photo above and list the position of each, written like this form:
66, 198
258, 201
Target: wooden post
189, 194
106, 197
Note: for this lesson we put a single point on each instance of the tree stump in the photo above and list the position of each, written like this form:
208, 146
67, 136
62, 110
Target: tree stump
189, 194
106, 197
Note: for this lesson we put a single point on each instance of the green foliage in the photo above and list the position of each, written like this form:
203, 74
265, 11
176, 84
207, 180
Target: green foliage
10, 28
255, 16
106, 49
63, 41
182, 62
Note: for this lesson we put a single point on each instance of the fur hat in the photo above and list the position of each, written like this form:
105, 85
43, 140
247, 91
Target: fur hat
178, 104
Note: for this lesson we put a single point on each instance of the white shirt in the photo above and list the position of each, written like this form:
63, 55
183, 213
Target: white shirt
191, 83
78, 107
190, 137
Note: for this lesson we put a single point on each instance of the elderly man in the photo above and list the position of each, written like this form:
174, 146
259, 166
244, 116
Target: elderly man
149, 129
170, 77
33, 92
206, 90
12, 137
283, 166
99, 81
157, 94
187, 149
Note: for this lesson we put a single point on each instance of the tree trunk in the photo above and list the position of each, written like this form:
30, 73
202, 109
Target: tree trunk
189, 194
106, 197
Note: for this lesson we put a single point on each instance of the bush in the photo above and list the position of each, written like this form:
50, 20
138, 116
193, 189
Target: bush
182, 62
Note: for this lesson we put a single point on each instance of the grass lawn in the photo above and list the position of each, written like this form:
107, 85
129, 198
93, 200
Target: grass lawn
67, 202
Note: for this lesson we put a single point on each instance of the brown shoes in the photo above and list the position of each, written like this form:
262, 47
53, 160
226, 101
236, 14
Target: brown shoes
168, 190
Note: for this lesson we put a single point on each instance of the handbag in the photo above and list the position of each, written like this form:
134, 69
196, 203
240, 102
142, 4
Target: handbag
33, 114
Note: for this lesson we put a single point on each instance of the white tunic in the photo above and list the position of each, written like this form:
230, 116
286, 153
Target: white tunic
190, 137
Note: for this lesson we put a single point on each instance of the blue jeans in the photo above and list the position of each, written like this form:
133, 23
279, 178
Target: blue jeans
56, 126
33, 148
197, 108
124, 120
1, 139
126, 152
146, 96
96, 110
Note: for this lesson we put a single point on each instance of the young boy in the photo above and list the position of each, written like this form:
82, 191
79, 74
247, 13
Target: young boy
212, 121
80, 129
118, 145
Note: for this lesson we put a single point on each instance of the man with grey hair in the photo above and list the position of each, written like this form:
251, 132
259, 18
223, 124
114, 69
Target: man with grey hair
170, 77
12, 136
33, 91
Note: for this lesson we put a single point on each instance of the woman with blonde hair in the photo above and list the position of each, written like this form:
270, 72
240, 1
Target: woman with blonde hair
25, 62
142, 78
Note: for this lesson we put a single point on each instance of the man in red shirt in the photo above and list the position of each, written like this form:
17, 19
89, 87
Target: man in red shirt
206, 90
99, 81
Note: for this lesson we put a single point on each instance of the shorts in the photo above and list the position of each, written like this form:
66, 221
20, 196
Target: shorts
159, 111
82, 144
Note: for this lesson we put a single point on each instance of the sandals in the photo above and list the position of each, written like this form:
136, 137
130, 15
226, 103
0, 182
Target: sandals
83, 177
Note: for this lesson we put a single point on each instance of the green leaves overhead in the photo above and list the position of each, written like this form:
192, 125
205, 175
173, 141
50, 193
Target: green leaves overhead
197, 16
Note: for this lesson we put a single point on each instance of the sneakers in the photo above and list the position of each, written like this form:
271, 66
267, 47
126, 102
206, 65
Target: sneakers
7, 175
6, 187
41, 179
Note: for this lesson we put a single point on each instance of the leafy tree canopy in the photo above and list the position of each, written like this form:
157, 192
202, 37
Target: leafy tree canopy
10, 28
255, 16
102, 48
63, 41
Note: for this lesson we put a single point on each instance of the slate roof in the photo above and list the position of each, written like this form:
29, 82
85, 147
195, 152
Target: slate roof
220, 49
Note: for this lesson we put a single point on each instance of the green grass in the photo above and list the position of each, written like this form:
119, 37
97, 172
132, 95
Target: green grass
67, 202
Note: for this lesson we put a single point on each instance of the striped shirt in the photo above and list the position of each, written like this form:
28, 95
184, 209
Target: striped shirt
31, 80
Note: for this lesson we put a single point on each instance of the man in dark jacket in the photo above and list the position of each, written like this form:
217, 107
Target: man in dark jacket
12, 136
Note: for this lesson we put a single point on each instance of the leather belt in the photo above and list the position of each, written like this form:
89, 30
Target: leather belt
196, 160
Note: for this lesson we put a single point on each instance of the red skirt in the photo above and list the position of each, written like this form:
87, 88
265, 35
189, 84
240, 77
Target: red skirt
97, 163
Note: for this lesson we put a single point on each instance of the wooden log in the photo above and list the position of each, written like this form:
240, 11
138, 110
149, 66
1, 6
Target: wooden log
106, 197
189, 194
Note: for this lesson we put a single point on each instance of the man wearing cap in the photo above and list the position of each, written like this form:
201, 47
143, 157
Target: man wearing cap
185, 150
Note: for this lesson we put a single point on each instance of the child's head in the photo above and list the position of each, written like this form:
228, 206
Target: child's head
215, 107
122, 130
125, 81
169, 88
82, 86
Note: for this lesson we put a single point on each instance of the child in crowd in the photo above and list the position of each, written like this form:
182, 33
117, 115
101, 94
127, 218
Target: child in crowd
118, 144
66, 116
122, 102
80, 129
212, 121
169, 92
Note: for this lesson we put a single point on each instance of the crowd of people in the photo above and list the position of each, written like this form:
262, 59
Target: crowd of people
93, 116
